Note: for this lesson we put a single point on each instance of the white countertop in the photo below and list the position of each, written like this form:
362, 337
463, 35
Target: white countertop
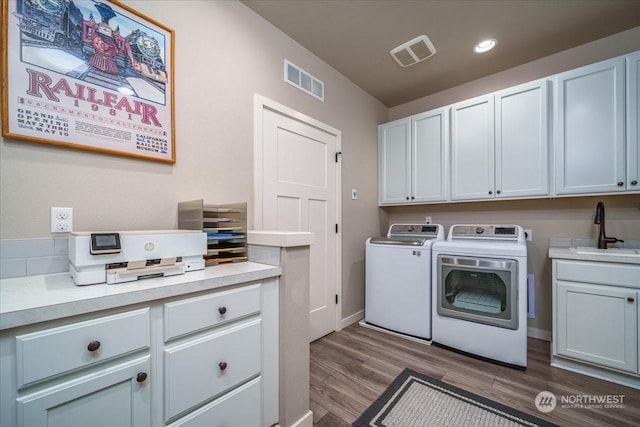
285, 239
33, 299
572, 253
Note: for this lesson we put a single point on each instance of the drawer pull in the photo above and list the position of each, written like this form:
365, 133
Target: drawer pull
141, 377
634, 182
620, 183
222, 366
222, 310
631, 299
93, 346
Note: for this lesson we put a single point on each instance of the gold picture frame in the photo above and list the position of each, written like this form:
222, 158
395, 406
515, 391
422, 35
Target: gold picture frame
90, 75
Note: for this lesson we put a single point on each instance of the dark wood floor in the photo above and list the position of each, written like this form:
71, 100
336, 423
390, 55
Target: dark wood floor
351, 368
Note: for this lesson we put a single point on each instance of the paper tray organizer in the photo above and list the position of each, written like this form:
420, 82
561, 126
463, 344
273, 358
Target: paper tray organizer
225, 225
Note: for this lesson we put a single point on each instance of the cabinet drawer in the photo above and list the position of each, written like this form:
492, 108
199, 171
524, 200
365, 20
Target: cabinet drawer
598, 272
240, 407
193, 314
194, 371
53, 351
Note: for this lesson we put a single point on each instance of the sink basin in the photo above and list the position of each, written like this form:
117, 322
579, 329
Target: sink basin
610, 251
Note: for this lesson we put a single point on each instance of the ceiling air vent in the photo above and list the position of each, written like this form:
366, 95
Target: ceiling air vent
304, 81
413, 51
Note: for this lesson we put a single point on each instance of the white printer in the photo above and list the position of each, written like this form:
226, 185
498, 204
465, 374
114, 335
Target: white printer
125, 256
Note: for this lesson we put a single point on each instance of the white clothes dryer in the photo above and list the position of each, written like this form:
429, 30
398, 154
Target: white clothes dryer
480, 292
398, 279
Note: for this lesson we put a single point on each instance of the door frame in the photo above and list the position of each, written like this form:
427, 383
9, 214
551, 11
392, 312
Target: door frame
261, 103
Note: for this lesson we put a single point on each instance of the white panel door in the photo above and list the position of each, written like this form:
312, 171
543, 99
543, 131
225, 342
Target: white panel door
299, 194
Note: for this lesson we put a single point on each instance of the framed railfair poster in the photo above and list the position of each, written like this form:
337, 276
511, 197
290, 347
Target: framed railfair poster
92, 75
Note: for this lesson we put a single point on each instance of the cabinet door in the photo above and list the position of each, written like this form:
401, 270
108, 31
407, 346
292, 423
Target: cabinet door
429, 156
472, 149
598, 324
110, 397
589, 132
394, 158
522, 141
633, 122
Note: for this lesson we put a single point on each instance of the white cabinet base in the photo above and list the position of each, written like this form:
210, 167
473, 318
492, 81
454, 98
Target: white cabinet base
594, 371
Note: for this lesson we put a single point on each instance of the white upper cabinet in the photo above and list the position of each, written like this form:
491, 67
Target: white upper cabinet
633, 122
499, 144
394, 157
522, 141
412, 155
589, 129
429, 155
472, 149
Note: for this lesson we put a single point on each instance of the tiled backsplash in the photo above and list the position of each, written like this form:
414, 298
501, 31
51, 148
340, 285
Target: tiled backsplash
29, 257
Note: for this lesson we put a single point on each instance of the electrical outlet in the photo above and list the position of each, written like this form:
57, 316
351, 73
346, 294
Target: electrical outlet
427, 220
61, 220
528, 234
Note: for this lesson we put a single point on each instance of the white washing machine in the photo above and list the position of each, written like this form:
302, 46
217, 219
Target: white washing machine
398, 279
480, 292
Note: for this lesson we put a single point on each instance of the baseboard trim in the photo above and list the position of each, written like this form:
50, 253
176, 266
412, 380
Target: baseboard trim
350, 320
305, 421
539, 334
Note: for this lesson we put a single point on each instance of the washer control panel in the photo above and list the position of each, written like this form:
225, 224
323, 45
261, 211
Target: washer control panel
486, 231
414, 230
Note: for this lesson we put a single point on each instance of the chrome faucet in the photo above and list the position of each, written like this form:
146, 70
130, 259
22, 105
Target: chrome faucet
603, 240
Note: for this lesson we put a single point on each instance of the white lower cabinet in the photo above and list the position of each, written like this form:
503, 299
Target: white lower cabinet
595, 319
609, 338
206, 360
117, 396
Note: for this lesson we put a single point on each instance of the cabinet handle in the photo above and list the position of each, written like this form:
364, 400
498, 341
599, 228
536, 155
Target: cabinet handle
141, 377
620, 183
634, 182
631, 299
412, 197
222, 366
93, 345
498, 192
222, 310
490, 192
407, 197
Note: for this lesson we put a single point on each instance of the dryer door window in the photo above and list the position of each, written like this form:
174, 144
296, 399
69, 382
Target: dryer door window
479, 290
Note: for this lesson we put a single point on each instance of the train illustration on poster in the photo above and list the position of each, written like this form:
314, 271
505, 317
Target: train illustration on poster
113, 51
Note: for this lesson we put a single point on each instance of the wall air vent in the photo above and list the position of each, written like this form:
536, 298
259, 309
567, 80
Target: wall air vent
413, 51
304, 81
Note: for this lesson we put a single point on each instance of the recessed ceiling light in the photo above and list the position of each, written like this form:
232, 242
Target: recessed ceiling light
485, 46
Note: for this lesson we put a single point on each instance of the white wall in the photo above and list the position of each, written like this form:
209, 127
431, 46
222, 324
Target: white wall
224, 54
